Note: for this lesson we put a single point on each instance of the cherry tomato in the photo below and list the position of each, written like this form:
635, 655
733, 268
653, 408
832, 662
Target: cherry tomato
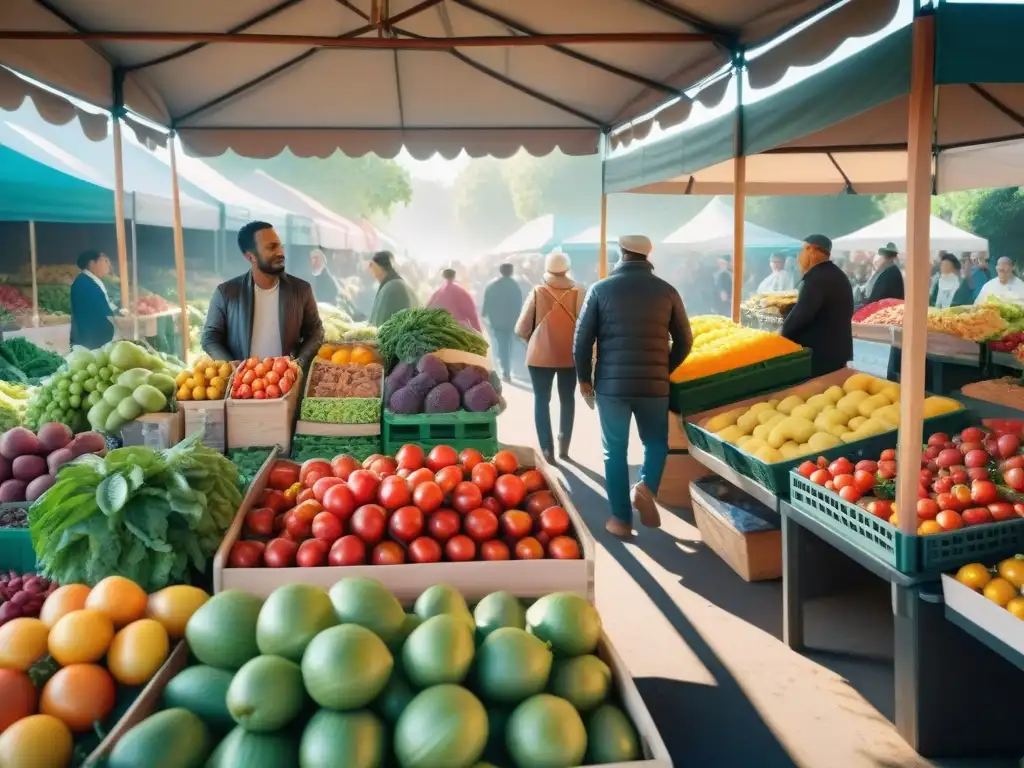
406, 524
387, 553
481, 524
444, 524
460, 548
246, 554
425, 550
348, 550
312, 552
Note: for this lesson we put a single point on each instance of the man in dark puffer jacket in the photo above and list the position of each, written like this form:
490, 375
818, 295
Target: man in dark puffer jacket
642, 335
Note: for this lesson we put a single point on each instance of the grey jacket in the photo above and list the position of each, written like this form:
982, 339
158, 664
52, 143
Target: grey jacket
641, 329
227, 332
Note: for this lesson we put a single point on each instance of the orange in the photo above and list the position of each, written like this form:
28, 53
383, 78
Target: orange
174, 606
224, 371
22, 643
1012, 569
138, 651
342, 356
18, 697
79, 695
975, 575
1000, 591
199, 393
40, 741
1016, 607
81, 637
325, 352
121, 599
63, 600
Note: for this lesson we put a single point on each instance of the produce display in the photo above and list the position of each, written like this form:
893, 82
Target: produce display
346, 677
1005, 391
29, 461
248, 462
973, 478
1003, 583
151, 304
432, 386
345, 384
207, 380
768, 307
72, 669
722, 345
972, 323
196, 320
12, 299
408, 335
23, 362
305, 447
22, 595
103, 388
339, 326
348, 354
55, 274
13, 405
415, 507
267, 379
155, 517
787, 428
54, 299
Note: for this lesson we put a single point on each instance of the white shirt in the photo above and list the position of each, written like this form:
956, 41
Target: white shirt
266, 322
1013, 290
777, 282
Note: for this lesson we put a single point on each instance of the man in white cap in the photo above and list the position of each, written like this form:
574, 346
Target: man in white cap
642, 334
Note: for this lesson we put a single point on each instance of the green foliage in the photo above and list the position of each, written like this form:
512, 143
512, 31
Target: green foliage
555, 183
995, 214
483, 201
799, 216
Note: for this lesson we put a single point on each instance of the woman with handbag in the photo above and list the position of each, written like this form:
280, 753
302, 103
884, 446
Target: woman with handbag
547, 323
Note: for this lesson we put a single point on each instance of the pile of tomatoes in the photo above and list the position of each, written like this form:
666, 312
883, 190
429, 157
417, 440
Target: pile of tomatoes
266, 379
415, 507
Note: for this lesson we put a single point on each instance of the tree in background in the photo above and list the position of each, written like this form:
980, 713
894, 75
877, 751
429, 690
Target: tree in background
802, 215
484, 209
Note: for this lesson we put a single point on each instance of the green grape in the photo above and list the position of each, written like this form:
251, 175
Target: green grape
75, 388
102, 387
104, 373
92, 369
90, 385
75, 402
63, 385
93, 398
115, 372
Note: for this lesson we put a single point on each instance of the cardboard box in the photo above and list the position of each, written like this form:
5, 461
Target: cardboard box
324, 429
257, 423
741, 530
210, 416
154, 430
680, 470
997, 622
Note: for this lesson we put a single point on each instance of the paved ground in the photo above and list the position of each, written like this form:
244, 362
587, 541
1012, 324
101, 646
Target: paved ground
706, 650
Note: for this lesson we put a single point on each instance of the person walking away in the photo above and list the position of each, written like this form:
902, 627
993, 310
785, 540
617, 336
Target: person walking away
503, 301
393, 293
723, 287
547, 323
91, 309
457, 301
1005, 286
325, 287
642, 334
821, 320
950, 290
780, 278
980, 274
263, 312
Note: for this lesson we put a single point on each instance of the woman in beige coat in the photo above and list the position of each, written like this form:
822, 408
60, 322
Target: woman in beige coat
547, 323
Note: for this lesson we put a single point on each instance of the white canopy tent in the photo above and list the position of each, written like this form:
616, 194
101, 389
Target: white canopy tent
893, 229
534, 235
590, 236
712, 230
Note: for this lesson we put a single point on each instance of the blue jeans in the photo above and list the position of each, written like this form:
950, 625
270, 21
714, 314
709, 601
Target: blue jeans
615, 414
503, 348
543, 379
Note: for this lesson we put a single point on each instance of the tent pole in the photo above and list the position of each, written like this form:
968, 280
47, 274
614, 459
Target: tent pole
179, 248
915, 320
34, 259
602, 252
739, 192
135, 267
122, 245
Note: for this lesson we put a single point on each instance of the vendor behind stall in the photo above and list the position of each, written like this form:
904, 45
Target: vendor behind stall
91, 309
1005, 286
821, 319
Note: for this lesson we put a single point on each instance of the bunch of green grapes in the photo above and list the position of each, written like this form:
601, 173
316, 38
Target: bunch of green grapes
67, 396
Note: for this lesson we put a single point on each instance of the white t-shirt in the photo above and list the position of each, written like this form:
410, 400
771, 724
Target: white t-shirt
266, 323
1011, 291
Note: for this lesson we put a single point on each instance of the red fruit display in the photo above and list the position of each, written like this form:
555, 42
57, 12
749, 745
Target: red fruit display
444, 524
442, 456
460, 548
466, 497
394, 493
348, 550
481, 525
369, 523
406, 524
410, 457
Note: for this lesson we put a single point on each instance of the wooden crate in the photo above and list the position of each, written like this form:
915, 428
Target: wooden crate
525, 578
754, 555
680, 470
323, 429
677, 439
253, 423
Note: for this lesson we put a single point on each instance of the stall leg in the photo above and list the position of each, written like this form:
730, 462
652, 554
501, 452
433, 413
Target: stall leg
792, 589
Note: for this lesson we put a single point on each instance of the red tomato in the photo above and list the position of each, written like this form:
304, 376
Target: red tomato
863, 481
1014, 462
529, 548
841, 466
506, 462
564, 548
1018, 508
469, 458
369, 522
273, 391
841, 481
387, 553
306, 494
406, 524
539, 501
492, 504
850, 493
320, 486
342, 466
976, 516
312, 553
1015, 479
421, 475
466, 497
946, 501
927, 509
348, 550
960, 476
867, 465
260, 521
383, 467
363, 484
280, 366
881, 509
887, 469
410, 456
442, 456
286, 385
533, 480
425, 550
949, 519
554, 521
327, 527
320, 467
340, 501
515, 523
274, 499
820, 477
543, 538
495, 549
460, 548
283, 475
248, 377
280, 553
510, 491
1002, 510
394, 493
444, 524
246, 554
448, 478
484, 475
299, 522
889, 454
943, 485
984, 492
962, 495
807, 469
428, 496
829, 485
481, 524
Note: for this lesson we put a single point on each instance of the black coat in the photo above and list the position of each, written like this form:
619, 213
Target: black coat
325, 288
90, 314
821, 319
641, 329
888, 285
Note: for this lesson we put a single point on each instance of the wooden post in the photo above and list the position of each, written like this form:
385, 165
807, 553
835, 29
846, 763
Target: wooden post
34, 259
179, 249
135, 265
119, 231
739, 202
915, 318
602, 253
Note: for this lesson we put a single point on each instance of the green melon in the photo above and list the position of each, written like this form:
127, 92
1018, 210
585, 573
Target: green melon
583, 681
443, 727
203, 690
440, 650
567, 621
546, 732
369, 604
497, 610
352, 739
346, 667
266, 694
395, 697
292, 616
222, 633
611, 737
255, 750
512, 665
173, 738
442, 599
410, 623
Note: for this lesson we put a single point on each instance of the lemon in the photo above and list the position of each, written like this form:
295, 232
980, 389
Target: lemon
1016, 607
184, 393
210, 372
199, 379
190, 382
199, 393
975, 575
929, 527
1000, 591
181, 378
224, 371
1012, 569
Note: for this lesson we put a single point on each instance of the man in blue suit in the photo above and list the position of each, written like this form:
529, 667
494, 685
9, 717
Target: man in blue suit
91, 309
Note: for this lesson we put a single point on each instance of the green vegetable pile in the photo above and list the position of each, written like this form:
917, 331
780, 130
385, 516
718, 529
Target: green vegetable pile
13, 403
155, 517
412, 333
341, 410
317, 447
55, 299
248, 461
23, 362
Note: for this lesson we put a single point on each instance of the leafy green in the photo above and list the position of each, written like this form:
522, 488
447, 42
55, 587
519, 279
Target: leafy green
341, 410
319, 447
408, 335
155, 517
32, 361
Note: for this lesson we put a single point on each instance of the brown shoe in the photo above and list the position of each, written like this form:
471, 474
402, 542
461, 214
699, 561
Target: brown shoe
616, 527
643, 503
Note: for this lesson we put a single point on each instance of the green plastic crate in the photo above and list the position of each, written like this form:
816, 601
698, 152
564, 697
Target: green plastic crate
740, 383
488, 447
439, 428
908, 554
16, 553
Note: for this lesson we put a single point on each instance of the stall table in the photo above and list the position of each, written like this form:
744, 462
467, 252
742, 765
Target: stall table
741, 481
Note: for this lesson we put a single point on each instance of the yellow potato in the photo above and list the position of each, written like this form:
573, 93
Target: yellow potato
789, 403
822, 441
850, 403
769, 455
855, 422
747, 422
858, 382
871, 404
819, 401
767, 415
834, 393
806, 411
758, 407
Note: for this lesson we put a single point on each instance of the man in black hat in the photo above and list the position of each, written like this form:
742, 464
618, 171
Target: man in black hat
887, 282
821, 319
